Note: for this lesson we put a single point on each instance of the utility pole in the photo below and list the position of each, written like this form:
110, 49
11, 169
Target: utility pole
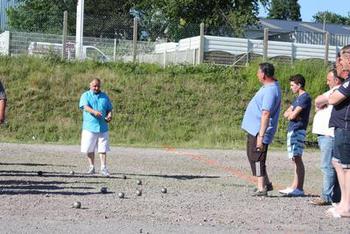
79, 30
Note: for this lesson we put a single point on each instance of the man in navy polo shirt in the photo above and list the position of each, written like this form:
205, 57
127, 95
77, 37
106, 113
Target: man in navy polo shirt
260, 122
340, 120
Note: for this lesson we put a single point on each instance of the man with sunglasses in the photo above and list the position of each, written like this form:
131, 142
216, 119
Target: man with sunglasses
340, 120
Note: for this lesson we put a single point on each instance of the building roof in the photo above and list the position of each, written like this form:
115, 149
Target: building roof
276, 25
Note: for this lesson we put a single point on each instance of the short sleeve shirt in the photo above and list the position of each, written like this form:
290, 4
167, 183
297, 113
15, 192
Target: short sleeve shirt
301, 122
268, 98
2, 92
340, 117
99, 102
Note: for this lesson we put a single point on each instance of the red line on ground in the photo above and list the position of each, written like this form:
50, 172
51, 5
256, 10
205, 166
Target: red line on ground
214, 163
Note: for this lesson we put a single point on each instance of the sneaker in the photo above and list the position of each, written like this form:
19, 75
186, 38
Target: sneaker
104, 171
286, 191
320, 202
296, 193
91, 170
259, 193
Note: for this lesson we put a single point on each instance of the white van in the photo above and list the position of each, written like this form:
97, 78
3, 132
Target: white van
44, 48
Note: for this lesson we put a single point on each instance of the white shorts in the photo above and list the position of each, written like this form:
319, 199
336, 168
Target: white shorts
91, 142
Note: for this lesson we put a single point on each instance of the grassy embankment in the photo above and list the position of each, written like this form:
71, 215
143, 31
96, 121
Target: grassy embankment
182, 106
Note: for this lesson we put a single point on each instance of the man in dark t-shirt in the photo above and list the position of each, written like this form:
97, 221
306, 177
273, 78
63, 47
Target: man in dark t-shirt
340, 120
298, 116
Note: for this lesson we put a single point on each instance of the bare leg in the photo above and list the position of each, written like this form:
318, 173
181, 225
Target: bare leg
299, 173
340, 174
91, 158
261, 183
103, 158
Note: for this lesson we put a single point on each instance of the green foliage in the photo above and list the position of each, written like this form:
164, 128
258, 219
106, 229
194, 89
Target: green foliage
182, 17
330, 17
285, 10
188, 106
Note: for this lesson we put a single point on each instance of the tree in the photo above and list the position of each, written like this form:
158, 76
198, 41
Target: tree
39, 15
101, 17
285, 10
183, 17
330, 17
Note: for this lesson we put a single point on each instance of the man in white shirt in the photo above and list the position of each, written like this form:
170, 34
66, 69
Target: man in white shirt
325, 136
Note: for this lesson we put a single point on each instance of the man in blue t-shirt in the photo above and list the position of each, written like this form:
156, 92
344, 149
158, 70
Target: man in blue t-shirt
298, 116
97, 112
260, 122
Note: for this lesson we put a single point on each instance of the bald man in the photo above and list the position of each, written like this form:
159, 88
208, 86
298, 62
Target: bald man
97, 113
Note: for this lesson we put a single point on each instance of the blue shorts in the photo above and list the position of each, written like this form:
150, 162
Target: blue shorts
342, 147
296, 142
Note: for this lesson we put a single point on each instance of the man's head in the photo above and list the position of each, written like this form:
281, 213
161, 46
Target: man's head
95, 85
333, 79
297, 83
343, 62
266, 72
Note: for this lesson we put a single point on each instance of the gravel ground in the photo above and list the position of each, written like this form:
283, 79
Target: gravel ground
208, 192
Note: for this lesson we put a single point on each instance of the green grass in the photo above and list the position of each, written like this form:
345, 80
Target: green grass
181, 106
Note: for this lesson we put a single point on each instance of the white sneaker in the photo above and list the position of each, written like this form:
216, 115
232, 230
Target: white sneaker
296, 193
91, 170
286, 191
104, 171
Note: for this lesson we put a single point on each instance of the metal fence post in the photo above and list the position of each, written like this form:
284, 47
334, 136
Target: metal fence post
326, 48
64, 36
266, 43
134, 41
201, 44
115, 50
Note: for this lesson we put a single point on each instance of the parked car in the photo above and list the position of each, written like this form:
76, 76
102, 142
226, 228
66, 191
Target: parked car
45, 48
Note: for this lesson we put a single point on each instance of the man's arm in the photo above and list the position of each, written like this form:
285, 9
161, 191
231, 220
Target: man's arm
2, 110
336, 97
287, 112
264, 122
92, 111
321, 102
294, 114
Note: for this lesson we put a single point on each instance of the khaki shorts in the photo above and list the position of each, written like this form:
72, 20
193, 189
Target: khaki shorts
91, 142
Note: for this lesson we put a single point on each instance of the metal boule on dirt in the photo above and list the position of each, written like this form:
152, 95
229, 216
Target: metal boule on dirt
121, 195
71, 172
103, 190
164, 190
77, 205
139, 182
124, 177
40, 173
138, 192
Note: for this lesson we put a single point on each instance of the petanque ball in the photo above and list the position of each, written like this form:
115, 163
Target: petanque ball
121, 195
103, 190
138, 192
124, 177
71, 172
40, 173
164, 190
77, 205
139, 182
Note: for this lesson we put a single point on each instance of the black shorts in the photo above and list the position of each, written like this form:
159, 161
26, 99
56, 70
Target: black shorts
256, 158
342, 147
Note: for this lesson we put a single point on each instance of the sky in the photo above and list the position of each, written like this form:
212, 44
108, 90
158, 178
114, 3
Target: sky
308, 8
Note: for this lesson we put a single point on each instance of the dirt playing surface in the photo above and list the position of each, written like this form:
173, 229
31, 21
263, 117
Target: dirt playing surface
208, 191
